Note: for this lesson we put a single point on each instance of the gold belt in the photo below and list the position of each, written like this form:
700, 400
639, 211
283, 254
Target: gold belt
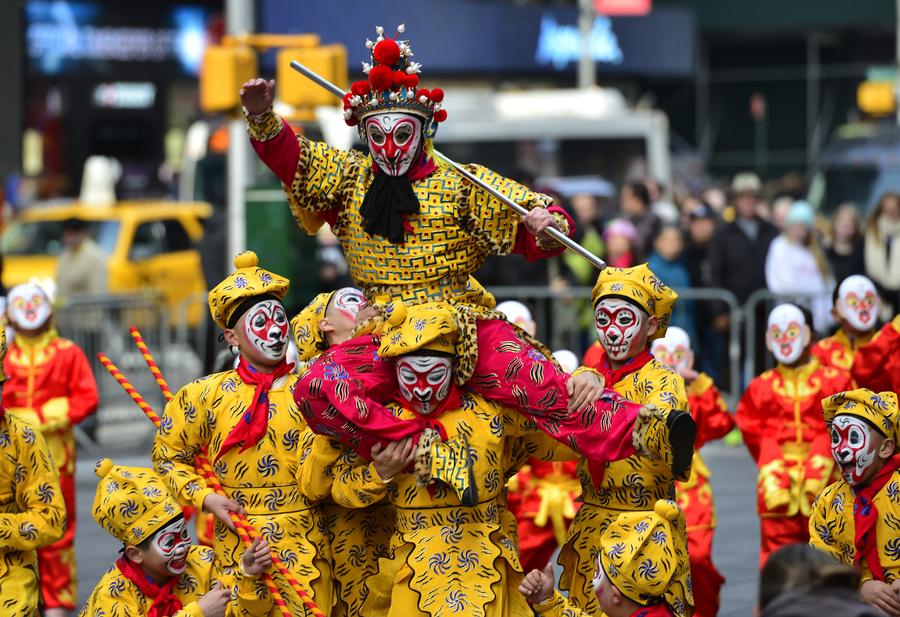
416, 519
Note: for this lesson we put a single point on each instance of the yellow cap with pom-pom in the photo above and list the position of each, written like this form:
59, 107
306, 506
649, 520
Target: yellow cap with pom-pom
638, 552
131, 503
310, 340
641, 287
248, 281
432, 326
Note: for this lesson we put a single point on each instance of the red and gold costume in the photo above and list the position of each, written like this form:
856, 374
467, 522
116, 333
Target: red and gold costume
50, 384
780, 417
132, 504
636, 483
206, 415
695, 497
858, 524
542, 496
877, 364
839, 350
32, 509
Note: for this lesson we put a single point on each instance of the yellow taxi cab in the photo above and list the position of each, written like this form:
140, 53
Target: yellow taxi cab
150, 244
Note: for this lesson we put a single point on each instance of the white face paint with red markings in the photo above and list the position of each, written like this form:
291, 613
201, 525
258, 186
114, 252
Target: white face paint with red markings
28, 307
858, 302
854, 447
266, 327
674, 350
787, 333
619, 325
348, 301
172, 543
424, 381
394, 141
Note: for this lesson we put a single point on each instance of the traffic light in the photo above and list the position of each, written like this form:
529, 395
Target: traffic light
329, 61
876, 98
224, 70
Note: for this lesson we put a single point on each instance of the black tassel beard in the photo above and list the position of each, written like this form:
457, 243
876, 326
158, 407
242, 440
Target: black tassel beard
388, 199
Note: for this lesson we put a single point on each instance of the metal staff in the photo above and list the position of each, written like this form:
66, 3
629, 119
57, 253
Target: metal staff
242, 526
551, 231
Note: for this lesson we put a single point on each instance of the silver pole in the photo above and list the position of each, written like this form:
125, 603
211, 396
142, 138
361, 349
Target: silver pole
552, 232
587, 69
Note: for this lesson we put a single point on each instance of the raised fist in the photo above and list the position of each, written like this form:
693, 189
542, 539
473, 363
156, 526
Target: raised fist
257, 95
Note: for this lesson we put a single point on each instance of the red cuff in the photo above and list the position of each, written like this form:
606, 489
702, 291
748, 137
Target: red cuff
527, 246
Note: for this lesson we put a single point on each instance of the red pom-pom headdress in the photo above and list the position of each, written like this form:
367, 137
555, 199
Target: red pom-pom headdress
392, 85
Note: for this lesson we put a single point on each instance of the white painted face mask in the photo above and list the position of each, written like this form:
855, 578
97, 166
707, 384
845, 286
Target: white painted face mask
858, 303
787, 333
172, 543
424, 381
619, 326
28, 307
674, 350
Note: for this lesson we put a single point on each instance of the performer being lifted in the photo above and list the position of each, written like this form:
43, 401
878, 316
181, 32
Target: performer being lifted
414, 229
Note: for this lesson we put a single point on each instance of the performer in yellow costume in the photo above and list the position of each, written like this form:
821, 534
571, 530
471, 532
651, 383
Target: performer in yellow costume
248, 423
359, 536
160, 573
857, 519
632, 308
637, 562
50, 384
856, 306
32, 510
445, 558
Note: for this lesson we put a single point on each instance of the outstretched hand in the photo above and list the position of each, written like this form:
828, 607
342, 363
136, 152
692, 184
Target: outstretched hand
258, 558
220, 507
257, 95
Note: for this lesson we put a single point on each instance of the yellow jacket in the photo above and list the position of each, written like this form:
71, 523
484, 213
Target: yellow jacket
447, 559
633, 484
32, 512
262, 479
832, 527
116, 596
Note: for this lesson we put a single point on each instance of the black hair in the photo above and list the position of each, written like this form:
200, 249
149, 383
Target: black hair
639, 190
74, 224
245, 306
801, 567
424, 351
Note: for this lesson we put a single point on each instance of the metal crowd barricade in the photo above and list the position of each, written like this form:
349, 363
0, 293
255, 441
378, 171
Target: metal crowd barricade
757, 308
100, 323
557, 311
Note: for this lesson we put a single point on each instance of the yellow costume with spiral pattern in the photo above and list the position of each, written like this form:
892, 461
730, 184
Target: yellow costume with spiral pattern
32, 511
447, 559
262, 479
630, 485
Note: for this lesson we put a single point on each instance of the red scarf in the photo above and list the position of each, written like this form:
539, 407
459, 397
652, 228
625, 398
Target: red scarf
865, 516
613, 376
165, 604
255, 421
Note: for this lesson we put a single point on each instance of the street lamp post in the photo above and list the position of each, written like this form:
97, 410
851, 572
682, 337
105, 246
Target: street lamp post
239, 19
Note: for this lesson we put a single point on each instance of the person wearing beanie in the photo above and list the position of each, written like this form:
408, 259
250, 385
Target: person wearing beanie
161, 573
33, 514
249, 426
856, 307
632, 308
50, 384
695, 496
855, 519
450, 552
796, 264
780, 417
636, 564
